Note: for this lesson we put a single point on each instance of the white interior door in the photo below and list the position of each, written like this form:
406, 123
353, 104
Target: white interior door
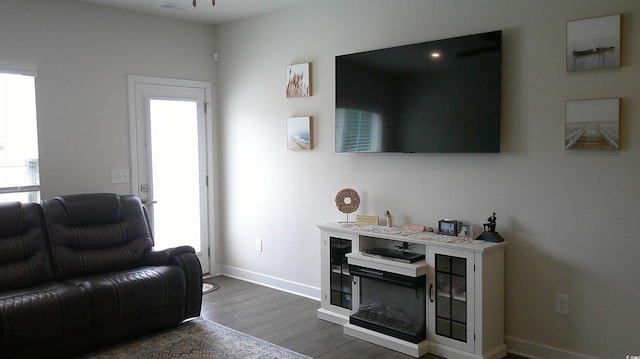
170, 175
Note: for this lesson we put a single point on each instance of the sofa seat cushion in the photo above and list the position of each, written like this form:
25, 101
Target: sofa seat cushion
50, 317
128, 295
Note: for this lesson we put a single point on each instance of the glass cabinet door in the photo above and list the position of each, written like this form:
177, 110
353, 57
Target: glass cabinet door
451, 298
340, 280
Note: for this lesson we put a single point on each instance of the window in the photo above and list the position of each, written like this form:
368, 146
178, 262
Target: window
19, 163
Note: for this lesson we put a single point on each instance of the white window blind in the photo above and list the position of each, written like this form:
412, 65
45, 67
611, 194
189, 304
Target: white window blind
358, 130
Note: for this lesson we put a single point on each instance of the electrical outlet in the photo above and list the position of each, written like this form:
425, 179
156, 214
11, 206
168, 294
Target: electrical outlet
258, 244
562, 304
119, 176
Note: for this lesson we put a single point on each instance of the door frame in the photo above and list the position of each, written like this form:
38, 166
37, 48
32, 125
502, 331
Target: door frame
210, 153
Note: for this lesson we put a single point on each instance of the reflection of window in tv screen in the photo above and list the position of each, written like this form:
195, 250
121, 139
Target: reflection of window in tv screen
401, 99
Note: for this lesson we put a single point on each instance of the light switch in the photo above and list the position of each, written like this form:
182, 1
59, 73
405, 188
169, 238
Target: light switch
119, 176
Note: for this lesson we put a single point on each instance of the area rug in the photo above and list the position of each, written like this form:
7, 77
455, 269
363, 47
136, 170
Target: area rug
209, 285
198, 338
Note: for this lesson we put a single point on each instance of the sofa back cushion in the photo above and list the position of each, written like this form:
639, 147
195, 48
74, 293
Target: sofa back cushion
96, 233
25, 260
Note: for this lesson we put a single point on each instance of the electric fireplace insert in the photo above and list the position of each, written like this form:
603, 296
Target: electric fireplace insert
391, 303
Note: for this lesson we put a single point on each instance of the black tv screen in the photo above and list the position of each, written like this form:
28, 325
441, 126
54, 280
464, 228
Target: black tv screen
433, 97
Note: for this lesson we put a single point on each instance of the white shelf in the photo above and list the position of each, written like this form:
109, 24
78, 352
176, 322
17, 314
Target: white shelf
455, 297
415, 269
411, 236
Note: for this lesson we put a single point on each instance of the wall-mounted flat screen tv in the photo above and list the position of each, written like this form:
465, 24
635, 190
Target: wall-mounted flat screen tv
433, 97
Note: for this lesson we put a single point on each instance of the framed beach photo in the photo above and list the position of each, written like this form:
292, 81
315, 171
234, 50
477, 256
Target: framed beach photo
593, 124
593, 43
299, 134
298, 80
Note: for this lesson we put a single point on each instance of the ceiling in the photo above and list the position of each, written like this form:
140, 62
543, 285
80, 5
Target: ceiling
223, 11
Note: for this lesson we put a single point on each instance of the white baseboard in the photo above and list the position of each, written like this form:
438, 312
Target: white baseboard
272, 282
533, 350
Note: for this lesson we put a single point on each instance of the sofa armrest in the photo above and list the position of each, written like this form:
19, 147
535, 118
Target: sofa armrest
185, 257
156, 257
190, 264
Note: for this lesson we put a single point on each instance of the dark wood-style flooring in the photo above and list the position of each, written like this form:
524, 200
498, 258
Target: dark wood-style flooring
287, 320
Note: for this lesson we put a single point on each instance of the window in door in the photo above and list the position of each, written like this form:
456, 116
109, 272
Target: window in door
19, 162
175, 163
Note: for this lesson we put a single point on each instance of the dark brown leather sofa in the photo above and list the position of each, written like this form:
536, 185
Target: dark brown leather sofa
79, 272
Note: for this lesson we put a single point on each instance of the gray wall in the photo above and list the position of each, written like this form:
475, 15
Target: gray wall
568, 216
83, 54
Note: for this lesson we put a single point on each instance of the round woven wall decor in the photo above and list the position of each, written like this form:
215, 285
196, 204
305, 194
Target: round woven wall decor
347, 200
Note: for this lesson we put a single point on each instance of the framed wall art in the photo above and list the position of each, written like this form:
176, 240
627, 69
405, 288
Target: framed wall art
298, 80
593, 124
299, 134
593, 43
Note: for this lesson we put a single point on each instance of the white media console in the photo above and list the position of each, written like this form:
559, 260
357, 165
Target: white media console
460, 281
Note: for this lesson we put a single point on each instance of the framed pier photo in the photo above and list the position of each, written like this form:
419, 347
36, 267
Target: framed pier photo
593, 124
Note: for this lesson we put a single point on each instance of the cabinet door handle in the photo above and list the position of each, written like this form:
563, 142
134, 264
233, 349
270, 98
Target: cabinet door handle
430, 289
